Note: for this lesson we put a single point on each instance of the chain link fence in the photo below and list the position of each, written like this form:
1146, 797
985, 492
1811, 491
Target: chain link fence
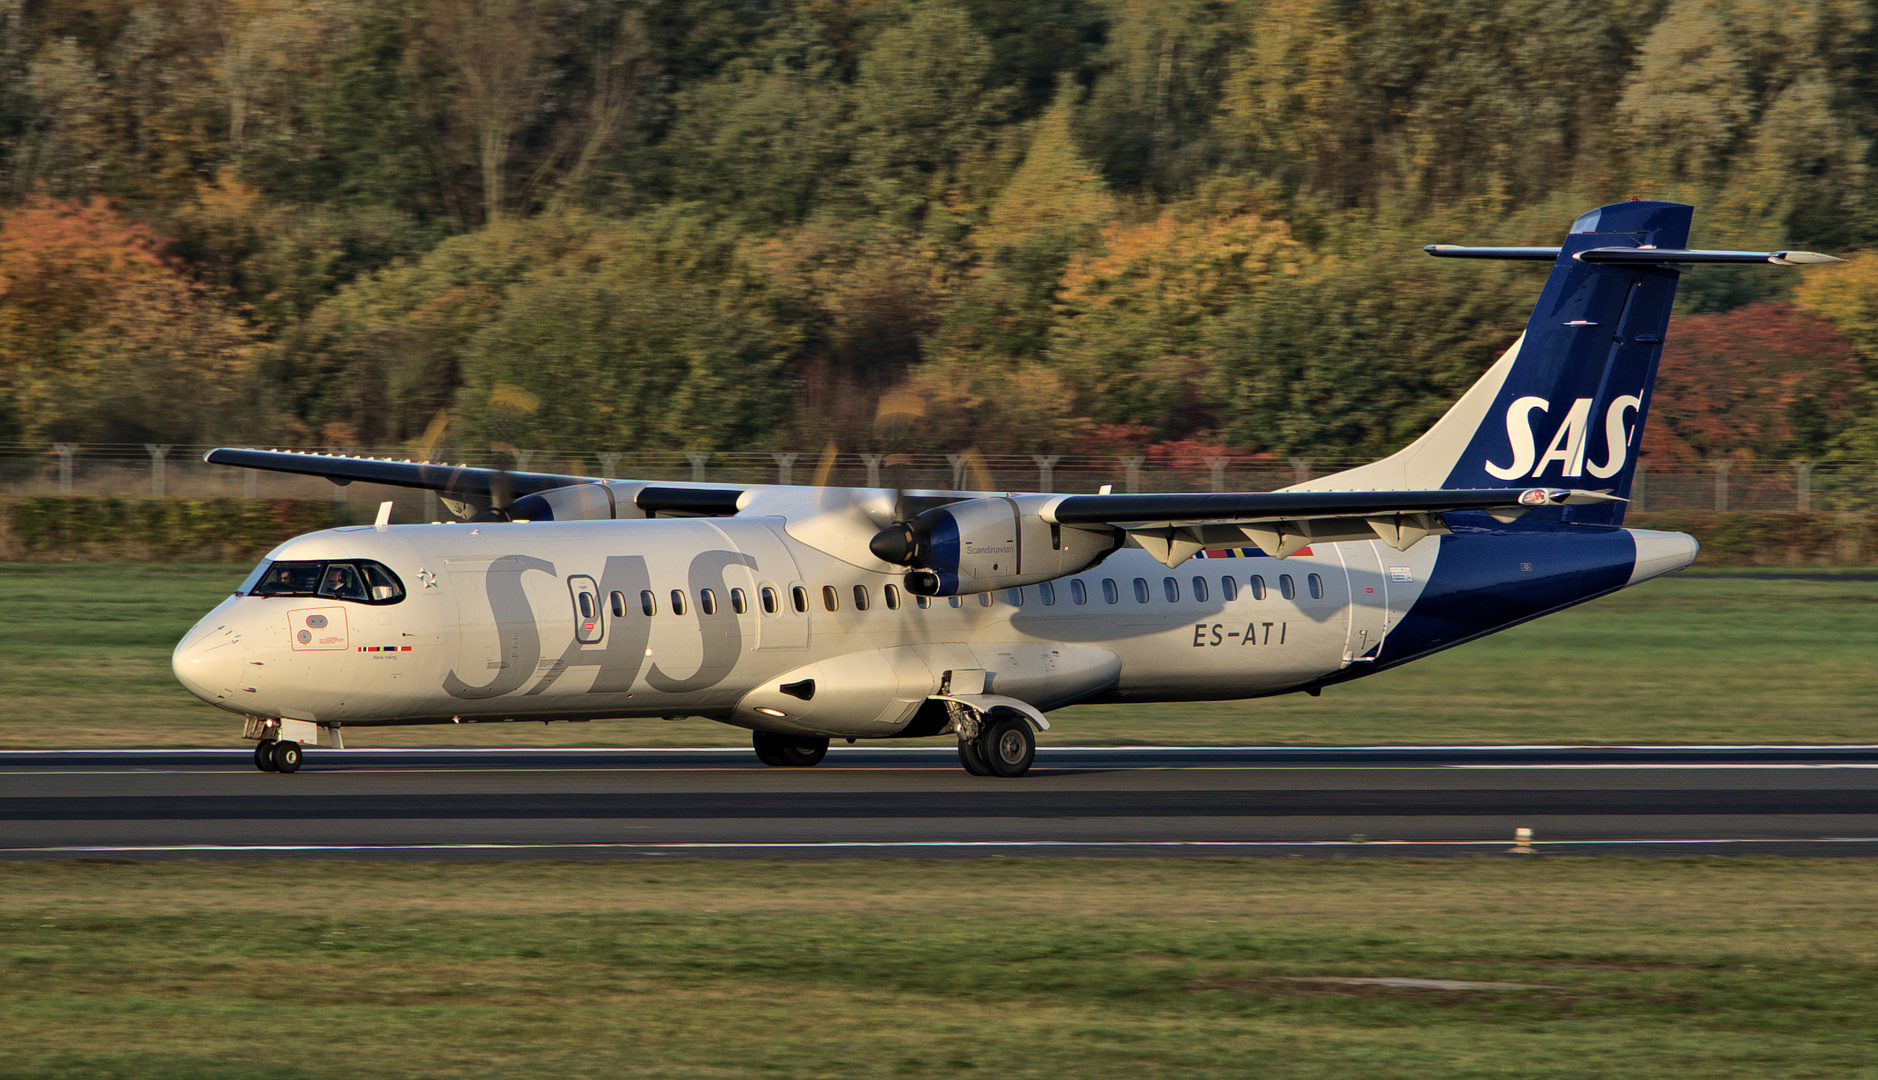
165, 471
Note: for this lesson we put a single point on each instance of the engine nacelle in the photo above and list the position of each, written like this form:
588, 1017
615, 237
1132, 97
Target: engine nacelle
980, 545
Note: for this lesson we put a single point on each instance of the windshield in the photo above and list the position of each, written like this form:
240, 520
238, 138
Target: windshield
357, 580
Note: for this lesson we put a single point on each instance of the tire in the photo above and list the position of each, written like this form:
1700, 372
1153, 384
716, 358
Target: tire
803, 751
789, 751
264, 756
1007, 746
971, 759
287, 756
764, 744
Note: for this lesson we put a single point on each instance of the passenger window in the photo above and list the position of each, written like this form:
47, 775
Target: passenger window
1111, 592
618, 601
1078, 592
1047, 593
985, 599
1172, 589
955, 601
1258, 587
1228, 588
860, 598
1014, 597
648, 603
738, 602
1317, 586
1199, 589
586, 606
678, 601
341, 582
923, 602
1141, 590
707, 601
1286, 587
830, 598
799, 598
892, 593
768, 598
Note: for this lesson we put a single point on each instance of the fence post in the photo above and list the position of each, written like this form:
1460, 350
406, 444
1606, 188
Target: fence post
1302, 467
1636, 489
873, 468
1046, 471
1804, 486
785, 468
1133, 465
158, 480
697, 465
521, 459
609, 465
66, 450
1721, 468
1218, 465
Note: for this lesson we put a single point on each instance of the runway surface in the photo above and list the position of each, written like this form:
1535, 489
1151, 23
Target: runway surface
917, 802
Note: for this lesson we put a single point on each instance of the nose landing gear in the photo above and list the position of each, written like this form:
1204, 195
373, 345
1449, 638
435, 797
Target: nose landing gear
276, 755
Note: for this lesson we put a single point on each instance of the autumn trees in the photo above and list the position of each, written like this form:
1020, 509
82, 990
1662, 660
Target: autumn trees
1060, 224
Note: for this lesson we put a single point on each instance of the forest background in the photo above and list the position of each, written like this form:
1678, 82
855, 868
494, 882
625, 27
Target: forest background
1186, 228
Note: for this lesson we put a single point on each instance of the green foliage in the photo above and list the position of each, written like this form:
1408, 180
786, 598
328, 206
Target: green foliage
88, 528
655, 332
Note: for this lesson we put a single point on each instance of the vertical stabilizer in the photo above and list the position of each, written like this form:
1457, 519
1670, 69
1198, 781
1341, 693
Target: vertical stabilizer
1565, 406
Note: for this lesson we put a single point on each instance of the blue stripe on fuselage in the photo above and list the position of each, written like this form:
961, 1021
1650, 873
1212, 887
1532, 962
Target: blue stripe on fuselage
1489, 576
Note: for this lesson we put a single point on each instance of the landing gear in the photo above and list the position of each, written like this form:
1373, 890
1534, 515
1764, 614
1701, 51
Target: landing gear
795, 751
277, 755
1004, 746
973, 758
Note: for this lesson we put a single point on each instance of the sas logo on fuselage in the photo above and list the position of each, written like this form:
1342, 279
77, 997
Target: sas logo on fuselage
1567, 446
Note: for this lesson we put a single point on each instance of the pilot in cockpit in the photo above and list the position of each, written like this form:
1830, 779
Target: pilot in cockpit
342, 583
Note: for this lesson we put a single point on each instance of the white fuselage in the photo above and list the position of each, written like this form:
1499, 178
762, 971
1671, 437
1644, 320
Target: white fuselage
492, 627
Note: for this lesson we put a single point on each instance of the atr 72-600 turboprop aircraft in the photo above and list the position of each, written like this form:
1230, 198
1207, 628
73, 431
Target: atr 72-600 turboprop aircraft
805, 613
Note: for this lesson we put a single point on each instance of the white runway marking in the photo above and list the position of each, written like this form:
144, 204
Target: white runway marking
873, 845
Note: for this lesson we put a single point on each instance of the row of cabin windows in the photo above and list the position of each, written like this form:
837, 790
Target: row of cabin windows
770, 599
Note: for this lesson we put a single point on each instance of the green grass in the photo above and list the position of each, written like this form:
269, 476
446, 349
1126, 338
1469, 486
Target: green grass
1720, 657
1020, 968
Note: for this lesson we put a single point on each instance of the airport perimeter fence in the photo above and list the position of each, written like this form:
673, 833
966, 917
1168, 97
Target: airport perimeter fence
168, 471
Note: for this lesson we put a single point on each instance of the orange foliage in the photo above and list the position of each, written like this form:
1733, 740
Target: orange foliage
1766, 381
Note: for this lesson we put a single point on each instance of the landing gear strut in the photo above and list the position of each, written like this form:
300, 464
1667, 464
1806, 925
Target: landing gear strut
797, 751
1004, 746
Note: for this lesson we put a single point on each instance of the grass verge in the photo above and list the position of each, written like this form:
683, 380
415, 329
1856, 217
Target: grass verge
1000, 967
1723, 656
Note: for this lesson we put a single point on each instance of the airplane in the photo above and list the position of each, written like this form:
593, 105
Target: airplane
806, 614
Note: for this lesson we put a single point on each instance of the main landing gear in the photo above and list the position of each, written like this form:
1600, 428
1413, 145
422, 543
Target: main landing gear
1003, 746
797, 751
276, 755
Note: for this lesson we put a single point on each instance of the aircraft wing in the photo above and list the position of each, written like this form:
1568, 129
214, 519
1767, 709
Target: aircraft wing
1281, 523
468, 490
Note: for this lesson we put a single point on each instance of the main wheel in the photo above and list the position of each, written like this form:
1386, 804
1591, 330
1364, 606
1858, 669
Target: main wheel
798, 751
973, 761
264, 756
803, 751
1007, 746
286, 756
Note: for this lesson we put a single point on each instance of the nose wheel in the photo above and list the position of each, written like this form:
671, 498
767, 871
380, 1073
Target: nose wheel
276, 755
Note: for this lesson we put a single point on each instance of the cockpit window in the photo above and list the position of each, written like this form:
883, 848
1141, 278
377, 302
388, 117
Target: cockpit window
360, 581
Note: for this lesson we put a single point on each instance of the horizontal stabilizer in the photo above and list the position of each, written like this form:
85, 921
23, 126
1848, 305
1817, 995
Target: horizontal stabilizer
1634, 255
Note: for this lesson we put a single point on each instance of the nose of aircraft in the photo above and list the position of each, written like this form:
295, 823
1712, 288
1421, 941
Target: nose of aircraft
209, 660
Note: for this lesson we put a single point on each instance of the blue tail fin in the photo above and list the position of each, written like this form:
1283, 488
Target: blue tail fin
1565, 406
1571, 410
